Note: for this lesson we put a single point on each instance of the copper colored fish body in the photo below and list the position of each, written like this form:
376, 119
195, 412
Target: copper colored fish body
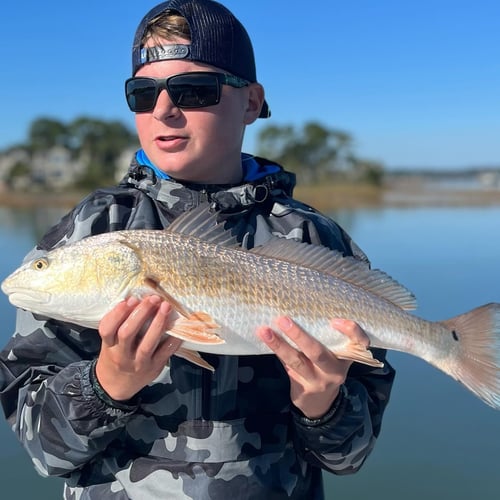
222, 294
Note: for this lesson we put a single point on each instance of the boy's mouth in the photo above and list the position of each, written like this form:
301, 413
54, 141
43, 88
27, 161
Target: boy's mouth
169, 142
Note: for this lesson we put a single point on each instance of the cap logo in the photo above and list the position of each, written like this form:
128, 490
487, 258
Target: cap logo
164, 52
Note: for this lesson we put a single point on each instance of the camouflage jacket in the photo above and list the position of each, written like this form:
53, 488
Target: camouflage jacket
190, 434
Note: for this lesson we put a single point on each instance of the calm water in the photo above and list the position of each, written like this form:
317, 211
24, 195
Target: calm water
438, 441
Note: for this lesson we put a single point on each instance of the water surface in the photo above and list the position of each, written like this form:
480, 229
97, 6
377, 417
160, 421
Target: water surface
438, 441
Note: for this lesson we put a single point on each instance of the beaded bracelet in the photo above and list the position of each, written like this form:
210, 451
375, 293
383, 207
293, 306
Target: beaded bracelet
316, 422
128, 406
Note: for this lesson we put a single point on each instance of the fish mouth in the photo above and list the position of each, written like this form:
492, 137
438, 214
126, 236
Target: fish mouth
27, 299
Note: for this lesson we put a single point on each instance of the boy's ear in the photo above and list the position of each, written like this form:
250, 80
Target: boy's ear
255, 102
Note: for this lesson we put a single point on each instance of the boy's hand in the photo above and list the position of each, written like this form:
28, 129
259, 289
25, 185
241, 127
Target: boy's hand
315, 373
134, 347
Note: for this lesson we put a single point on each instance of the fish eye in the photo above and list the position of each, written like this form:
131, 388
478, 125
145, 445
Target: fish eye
40, 264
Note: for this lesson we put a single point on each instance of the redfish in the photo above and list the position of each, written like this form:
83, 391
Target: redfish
222, 293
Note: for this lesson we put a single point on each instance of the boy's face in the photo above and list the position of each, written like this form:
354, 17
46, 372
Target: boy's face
197, 145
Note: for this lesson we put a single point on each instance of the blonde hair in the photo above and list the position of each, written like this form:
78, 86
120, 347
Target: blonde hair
166, 26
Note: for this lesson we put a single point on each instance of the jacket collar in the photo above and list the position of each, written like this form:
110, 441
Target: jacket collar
268, 179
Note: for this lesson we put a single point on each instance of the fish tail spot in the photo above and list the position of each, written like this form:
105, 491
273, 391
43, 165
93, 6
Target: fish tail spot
475, 354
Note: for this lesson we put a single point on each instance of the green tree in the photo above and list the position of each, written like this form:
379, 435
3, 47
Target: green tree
273, 141
100, 143
368, 171
18, 171
314, 152
45, 133
96, 143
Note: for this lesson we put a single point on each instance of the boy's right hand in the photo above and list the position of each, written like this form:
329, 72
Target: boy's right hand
135, 348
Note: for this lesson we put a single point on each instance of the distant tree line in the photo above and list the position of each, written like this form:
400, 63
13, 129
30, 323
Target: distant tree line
317, 154
313, 151
98, 143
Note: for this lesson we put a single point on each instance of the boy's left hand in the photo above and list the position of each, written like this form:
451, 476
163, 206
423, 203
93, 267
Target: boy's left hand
316, 374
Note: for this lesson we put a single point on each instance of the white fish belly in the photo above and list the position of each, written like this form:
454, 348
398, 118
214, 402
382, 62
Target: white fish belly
238, 324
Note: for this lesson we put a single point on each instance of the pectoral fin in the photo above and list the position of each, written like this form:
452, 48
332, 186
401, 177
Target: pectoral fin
358, 353
152, 283
198, 328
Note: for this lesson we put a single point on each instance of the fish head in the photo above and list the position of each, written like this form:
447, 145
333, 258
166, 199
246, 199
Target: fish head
78, 282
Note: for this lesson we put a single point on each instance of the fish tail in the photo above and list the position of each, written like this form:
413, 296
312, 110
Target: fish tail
476, 344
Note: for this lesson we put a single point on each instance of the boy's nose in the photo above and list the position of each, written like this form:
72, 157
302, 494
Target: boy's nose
164, 106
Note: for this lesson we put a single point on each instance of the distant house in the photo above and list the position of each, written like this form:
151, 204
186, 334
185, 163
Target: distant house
55, 167
123, 162
9, 159
490, 180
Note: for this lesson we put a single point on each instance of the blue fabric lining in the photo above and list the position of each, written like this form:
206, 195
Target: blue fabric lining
252, 170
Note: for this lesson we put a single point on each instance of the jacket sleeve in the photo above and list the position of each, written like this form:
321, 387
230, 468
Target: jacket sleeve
49, 399
45, 370
341, 441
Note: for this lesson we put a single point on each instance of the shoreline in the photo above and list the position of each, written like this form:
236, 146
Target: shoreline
16, 199
323, 197
396, 195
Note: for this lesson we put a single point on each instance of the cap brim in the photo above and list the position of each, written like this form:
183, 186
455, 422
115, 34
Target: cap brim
265, 112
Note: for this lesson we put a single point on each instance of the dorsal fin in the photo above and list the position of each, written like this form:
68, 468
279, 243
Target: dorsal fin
202, 223
335, 264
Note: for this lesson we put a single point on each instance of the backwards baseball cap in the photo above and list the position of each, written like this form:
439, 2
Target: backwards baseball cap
217, 38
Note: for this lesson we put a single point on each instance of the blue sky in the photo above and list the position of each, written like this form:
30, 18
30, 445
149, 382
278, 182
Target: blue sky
416, 83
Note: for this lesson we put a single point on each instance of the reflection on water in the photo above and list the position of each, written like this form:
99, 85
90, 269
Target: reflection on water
29, 224
438, 441
19, 231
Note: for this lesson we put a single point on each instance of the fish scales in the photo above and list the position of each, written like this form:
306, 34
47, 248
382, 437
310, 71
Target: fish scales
242, 290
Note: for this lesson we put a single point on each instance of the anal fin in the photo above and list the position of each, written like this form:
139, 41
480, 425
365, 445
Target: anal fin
193, 357
359, 353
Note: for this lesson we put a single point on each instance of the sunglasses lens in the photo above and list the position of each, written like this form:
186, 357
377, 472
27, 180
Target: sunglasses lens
189, 90
141, 94
194, 90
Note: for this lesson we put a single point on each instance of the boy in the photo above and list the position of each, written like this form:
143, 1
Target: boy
111, 410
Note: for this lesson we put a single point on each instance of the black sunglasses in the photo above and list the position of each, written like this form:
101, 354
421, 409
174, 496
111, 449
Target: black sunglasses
197, 89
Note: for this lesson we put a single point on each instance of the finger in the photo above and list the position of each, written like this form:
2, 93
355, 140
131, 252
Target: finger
351, 330
138, 320
155, 332
312, 348
111, 322
167, 347
291, 358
